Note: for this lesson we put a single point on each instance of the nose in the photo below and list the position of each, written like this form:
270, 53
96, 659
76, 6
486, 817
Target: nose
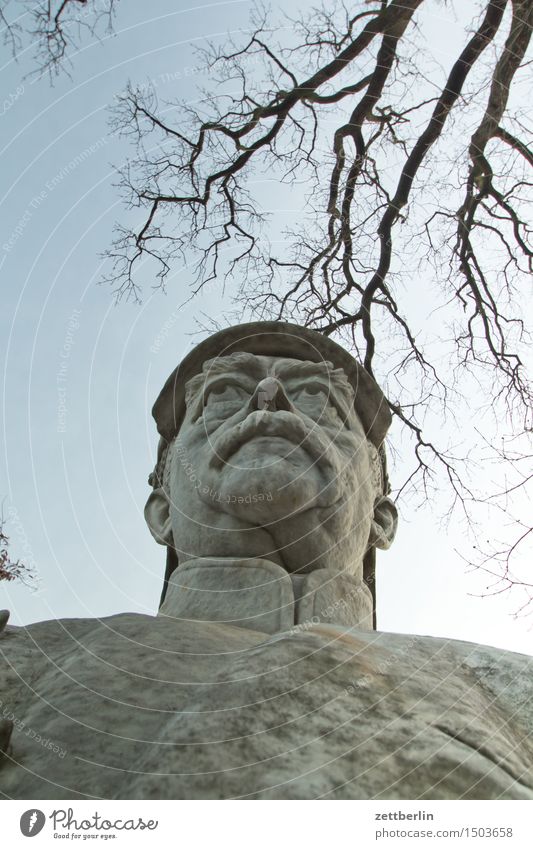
270, 395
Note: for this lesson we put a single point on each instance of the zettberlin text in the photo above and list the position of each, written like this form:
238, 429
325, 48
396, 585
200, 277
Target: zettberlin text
399, 815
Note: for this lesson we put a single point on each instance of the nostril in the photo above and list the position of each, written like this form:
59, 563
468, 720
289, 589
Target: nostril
282, 401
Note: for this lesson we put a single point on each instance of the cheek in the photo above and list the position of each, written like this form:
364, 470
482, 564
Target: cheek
353, 457
214, 419
193, 444
216, 416
186, 506
359, 486
185, 467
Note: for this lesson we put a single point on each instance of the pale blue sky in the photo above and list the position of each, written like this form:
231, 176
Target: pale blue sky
80, 373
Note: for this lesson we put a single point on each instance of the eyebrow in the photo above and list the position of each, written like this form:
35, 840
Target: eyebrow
335, 378
233, 362
303, 368
227, 366
244, 366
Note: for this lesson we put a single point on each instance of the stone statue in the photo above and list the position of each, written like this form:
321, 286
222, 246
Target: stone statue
271, 459
262, 676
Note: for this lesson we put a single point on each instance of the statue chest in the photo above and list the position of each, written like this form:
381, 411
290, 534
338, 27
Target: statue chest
150, 707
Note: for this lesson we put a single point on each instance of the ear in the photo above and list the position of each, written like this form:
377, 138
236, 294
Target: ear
157, 515
384, 523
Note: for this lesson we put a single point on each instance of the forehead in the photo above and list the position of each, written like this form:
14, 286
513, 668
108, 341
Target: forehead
259, 366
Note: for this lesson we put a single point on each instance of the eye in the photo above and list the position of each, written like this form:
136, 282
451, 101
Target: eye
315, 400
224, 392
314, 389
310, 392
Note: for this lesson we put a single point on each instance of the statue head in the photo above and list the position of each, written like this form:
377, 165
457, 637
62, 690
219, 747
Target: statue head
271, 447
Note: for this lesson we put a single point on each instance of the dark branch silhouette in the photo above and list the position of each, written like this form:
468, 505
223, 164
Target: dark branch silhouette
409, 169
12, 570
417, 181
52, 30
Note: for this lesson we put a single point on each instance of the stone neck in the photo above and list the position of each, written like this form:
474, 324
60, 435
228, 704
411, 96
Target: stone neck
262, 596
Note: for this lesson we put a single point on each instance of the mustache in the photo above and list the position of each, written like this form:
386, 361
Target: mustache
280, 423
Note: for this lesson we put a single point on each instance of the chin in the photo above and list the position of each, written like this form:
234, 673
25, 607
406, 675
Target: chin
278, 490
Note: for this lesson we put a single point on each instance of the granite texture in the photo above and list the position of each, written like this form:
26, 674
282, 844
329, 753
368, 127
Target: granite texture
261, 676
134, 706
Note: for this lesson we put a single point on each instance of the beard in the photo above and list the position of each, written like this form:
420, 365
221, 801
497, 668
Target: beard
278, 458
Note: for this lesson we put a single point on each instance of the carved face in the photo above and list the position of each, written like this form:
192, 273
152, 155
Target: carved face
272, 447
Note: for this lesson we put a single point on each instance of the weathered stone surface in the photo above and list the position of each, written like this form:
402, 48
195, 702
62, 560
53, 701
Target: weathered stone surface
262, 596
261, 676
272, 461
154, 707
6, 730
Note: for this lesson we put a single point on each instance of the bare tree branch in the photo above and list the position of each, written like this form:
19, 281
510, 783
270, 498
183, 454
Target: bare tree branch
12, 570
53, 29
417, 188
380, 189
